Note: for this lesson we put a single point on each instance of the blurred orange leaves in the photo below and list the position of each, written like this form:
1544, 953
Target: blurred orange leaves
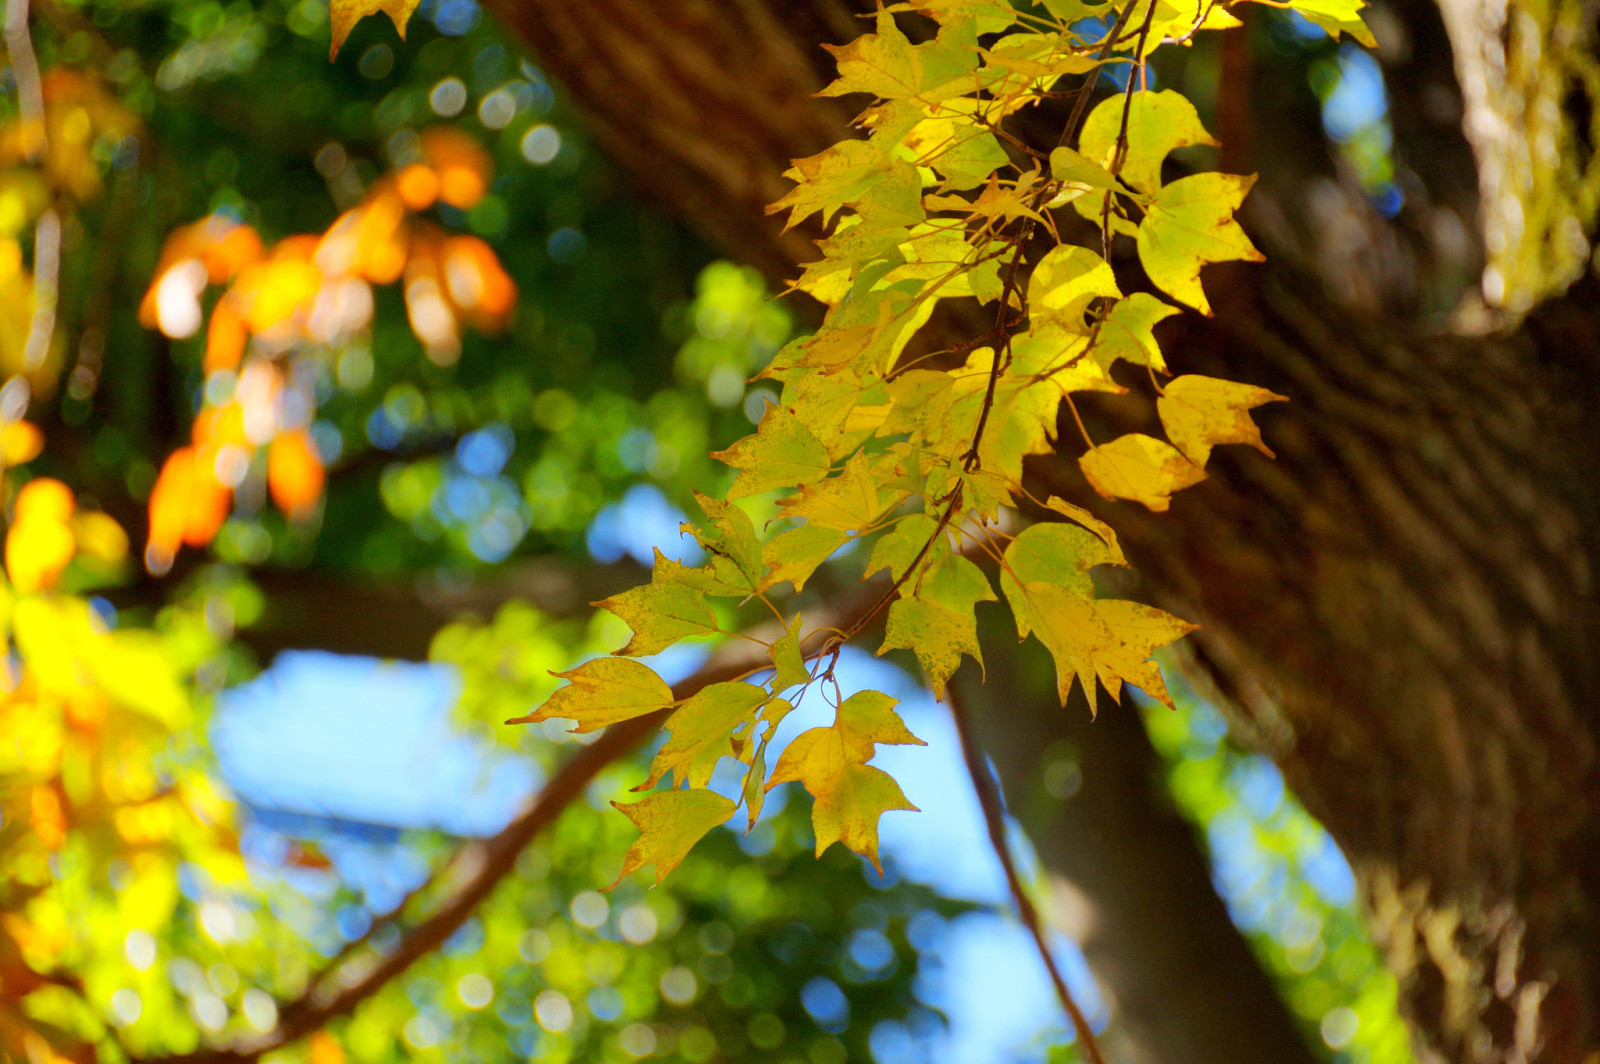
304, 298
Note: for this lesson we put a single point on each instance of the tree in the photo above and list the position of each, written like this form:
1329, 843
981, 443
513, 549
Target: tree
1397, 609
616, 103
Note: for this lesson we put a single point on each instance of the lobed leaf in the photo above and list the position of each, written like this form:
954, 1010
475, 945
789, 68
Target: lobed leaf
601, 692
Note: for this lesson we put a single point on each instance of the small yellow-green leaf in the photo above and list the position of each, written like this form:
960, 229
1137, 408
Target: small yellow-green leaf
660, 614
832, 179
849, 795
1336, 17
867, 718
781, 453
1141, 468
1200, 412
1078, 169
344, 14
1126, 333
794, 555
1052, 553
701, 731
669, 824
1190, 223
790, 667
731, 542
1107, 534
1066, 280
848, 502
601, 692
938, 636
898, 547
1137, 631
1158, 122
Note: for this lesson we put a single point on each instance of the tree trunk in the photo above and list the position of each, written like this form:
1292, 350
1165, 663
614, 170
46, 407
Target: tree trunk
1400, 609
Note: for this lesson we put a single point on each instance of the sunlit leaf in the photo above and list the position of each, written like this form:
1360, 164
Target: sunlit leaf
344, 14
1141, 468
603, 691
669, 824
1200, 412
1189, 224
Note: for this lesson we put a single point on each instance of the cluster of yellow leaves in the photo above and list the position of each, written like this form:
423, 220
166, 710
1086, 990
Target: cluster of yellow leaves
48, 530
305, 297
91, 797
925, 455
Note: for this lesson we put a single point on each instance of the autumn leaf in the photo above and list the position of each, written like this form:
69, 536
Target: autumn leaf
1105, 639
936, 634
848, 502
1189, 224
1054, 553
670, 823
1158, 123
1141, 468
344, 14
790, 667
1066, 281
1200, 412
601, 692
660, 614
732, 544
700, 731
795, 554
830, 763
781, 453
1126, 333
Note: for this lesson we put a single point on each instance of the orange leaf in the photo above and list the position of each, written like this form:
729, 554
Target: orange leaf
294, 473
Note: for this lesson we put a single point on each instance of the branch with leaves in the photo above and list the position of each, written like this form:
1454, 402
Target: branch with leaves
917, 459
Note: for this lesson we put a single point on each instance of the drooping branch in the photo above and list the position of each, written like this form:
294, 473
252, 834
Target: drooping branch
351, 979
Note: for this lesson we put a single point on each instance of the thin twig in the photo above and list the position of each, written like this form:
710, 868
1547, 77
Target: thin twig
994, 819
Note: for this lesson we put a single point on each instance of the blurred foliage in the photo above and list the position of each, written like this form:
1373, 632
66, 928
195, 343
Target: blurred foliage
1286, 884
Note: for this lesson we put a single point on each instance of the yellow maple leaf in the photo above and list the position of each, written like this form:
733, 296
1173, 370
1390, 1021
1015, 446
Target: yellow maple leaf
1188, 224
601, 692
831, 763
1106, 639
1141, 468
660, 614
344, 14
701, 729
670, 823
1199, 412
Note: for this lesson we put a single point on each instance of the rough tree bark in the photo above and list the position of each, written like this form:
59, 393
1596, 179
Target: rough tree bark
1400, 609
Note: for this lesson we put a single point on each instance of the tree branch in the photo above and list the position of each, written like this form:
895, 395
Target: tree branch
994, 819
331, 993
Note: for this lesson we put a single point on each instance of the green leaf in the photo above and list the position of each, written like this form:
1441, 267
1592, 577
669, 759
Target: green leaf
701, 732
1158, 122
669, 824
1141, 468
1189, 224
794, 555
781, 453
1199, 412
887, 65
601, 692
790, 667
660, 614
344, 14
